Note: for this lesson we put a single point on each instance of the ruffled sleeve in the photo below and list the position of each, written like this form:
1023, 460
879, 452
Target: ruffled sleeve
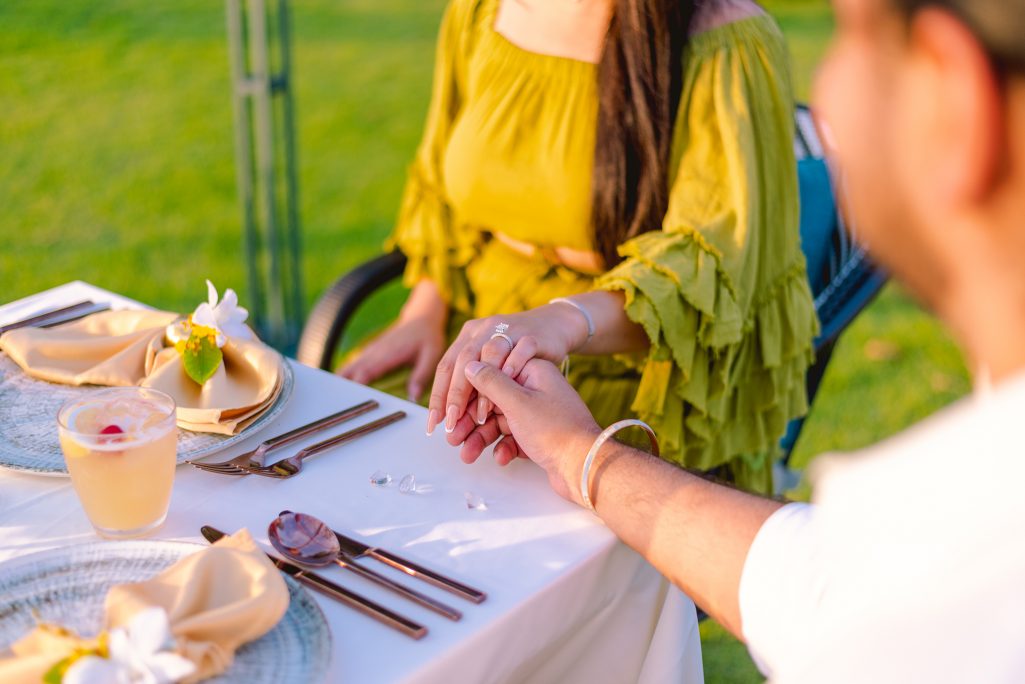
721, 290
438, 247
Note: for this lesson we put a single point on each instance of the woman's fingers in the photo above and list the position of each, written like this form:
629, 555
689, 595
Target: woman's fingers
525, 349
440, 409
506, 451
439, 391
423, 368
372, 364
493, 353
479, 439
459, 388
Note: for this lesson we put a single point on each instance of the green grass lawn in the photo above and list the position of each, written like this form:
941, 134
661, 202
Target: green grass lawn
117, 147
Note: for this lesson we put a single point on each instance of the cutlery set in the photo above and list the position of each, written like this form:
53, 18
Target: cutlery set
310, 542
252, 462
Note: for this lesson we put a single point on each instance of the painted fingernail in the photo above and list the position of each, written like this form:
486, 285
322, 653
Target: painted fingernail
451, 417
482, 410
432, 421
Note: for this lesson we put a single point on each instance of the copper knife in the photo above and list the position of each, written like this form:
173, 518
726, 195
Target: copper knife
337, 592
354, 548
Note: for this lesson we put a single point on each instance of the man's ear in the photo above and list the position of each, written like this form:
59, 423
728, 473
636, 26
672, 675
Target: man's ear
961, 107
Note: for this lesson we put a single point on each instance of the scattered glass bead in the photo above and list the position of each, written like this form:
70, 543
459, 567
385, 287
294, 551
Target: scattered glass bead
475, 502
408, 484
380, 479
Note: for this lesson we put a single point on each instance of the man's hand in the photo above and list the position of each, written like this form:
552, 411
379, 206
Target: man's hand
666, 514
542, 418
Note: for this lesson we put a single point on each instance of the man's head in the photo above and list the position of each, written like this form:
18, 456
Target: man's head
925, 104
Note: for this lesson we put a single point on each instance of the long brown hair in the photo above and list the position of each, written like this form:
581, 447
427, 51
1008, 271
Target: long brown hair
639, 82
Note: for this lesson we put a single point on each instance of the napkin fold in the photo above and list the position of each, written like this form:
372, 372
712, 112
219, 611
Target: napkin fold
216, 600
109, 348
124, 348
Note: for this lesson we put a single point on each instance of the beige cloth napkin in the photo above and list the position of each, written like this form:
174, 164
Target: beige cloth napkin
216, 600
124, 348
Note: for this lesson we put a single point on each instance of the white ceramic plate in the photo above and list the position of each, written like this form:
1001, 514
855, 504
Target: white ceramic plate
28, 422
67, 586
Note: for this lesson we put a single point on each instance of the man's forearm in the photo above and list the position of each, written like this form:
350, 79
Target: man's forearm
695, 532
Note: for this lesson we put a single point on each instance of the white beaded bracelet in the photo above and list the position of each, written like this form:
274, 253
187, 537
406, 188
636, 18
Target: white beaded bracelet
587, 314
585, 475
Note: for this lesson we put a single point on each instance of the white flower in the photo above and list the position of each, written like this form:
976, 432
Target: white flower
177, 331
226, 316
139, 654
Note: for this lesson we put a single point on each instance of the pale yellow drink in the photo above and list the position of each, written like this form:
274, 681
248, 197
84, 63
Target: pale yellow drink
120, 448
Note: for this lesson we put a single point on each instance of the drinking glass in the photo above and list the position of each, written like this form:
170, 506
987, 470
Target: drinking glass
120, 448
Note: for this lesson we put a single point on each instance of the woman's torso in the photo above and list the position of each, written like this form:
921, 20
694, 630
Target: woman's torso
518, 164
519, 159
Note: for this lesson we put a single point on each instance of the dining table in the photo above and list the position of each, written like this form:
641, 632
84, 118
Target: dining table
566, 600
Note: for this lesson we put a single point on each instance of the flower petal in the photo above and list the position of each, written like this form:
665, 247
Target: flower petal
239, 331
95, 670
169, 667
230, 300
149, 631
205, 316
211, 294
118, 645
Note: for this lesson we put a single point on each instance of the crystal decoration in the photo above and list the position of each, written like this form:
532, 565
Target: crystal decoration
475, 502
380, 479
408, 484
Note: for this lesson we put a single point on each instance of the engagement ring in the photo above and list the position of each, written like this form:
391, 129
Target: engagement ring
500, 332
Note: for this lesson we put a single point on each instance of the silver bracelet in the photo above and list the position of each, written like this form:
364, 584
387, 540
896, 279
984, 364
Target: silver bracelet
585, 474
587, 315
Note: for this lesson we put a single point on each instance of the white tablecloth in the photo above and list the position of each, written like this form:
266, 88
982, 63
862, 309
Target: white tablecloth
566, 601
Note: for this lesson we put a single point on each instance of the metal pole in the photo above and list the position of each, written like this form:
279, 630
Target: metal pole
268, 188
243, 152
264, 142
293, 282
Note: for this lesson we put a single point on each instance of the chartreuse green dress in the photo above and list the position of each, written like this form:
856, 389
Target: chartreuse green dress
721, 290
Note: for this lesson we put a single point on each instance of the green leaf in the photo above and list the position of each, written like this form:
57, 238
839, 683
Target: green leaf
55, 675
201, 357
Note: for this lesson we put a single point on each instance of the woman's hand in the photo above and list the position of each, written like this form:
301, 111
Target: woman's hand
538, 416
416, 338
548, 332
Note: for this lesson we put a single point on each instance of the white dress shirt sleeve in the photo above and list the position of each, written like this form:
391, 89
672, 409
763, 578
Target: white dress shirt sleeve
780, 587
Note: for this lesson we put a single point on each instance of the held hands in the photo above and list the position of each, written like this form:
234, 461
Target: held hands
538, 416
549, 332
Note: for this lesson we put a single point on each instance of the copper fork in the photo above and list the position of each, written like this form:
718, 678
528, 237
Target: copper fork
242, 464
293, 465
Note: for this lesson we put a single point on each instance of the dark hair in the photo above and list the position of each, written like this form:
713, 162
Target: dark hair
998, 24
639, 80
